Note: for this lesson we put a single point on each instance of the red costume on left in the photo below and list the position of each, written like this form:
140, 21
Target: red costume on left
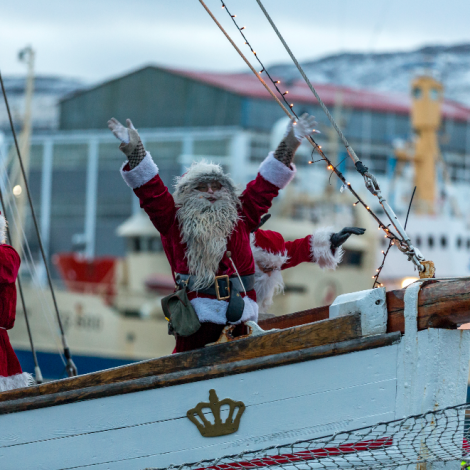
11, 375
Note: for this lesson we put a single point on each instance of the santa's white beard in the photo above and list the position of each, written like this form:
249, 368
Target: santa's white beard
267, 287
205, 227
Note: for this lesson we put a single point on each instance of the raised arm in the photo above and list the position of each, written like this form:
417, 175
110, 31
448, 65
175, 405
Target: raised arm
141, 174
275, 173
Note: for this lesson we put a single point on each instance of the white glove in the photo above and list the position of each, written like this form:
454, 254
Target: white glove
119, 131
303, 127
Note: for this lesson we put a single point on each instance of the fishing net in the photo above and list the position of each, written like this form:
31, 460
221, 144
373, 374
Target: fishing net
436, 436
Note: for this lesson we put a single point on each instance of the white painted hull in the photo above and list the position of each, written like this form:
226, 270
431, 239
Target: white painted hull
283, 404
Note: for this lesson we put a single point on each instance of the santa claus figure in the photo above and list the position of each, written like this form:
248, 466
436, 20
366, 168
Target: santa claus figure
272, 254
205, 226
11, 375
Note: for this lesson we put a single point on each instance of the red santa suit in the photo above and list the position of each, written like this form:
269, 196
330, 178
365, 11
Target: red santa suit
271, 252
11, 375
160, 206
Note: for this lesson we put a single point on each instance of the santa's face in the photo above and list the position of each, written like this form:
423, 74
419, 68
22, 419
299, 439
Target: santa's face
210, 191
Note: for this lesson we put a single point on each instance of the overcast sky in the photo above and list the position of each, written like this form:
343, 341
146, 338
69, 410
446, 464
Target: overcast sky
98, 39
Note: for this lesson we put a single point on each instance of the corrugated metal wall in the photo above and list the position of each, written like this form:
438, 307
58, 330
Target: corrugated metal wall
152, 98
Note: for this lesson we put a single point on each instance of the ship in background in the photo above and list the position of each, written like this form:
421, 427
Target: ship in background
111, 304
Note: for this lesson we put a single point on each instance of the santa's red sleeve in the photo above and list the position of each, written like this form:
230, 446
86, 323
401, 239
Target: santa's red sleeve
257, 198
315, 248
154, 196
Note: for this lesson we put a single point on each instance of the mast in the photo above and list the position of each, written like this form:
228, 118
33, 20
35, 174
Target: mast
26, 55
427, 96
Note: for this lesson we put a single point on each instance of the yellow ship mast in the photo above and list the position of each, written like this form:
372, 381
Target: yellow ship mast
427, 97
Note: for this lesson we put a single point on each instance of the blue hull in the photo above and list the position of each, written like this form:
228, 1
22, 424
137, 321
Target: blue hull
52, 366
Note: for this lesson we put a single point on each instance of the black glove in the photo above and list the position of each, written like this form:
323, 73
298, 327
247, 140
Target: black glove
337, 239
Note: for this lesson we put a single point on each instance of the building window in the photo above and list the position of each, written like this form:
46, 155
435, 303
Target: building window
417, 93
431, 241
418, 241
459, 242
468, 243
443, 241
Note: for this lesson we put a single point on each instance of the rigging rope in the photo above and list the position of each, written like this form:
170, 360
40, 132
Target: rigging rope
28, 257
37, 369
370, 181
317, 148
71, 368
403, 243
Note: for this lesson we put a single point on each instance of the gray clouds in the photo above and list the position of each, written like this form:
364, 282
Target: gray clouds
95, 40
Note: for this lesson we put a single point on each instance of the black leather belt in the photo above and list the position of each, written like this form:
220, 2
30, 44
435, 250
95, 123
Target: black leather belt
224, 288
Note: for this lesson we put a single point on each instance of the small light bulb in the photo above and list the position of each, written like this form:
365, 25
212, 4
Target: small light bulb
355, 204
223, 6
383, 252
242, 28
254, 52
277, 81
368, 207
349, 184
310, 162
319, 146
234, 16
17, 190
291, 105
285, 93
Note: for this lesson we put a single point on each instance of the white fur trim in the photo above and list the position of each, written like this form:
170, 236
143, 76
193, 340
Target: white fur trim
320, 247
276, 172
3, 229
16, 381
141, 174
268, 259
214, 311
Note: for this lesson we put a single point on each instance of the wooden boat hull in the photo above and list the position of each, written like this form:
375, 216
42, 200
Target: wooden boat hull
296, 383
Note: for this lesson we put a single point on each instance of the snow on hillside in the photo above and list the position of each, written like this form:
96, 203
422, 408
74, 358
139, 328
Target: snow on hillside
390, 71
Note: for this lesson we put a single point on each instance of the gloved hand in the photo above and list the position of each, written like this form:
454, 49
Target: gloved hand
337, 239
303, 127
295, 132
131, 144
119, 131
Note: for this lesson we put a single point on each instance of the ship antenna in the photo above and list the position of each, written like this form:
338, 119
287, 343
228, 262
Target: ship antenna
371, 182
37, 369
70, 365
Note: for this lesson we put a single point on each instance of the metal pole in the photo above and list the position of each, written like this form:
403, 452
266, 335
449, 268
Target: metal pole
91, 198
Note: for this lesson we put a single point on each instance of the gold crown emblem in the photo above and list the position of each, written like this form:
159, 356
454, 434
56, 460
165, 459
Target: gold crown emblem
219, 427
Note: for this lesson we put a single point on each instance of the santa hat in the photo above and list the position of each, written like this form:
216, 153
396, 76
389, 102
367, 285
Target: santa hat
3, 229
202, 172
269, 248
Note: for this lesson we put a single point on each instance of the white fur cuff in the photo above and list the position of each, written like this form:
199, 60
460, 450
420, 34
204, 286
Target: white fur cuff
16, 381
275, 172
214, 311
141, 174
320, 246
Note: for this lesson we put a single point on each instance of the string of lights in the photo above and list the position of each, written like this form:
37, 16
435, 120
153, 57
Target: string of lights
388, 234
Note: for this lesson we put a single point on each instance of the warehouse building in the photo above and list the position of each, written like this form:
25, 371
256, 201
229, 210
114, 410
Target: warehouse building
184, 115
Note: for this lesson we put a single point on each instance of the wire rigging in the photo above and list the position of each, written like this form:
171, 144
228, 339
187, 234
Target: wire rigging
316, 147
27, 256
71, 368
403, 243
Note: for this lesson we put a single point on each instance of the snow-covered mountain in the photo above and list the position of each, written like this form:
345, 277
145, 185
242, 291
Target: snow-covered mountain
390, 71
48, 90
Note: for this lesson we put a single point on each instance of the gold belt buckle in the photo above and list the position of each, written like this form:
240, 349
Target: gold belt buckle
217, 289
